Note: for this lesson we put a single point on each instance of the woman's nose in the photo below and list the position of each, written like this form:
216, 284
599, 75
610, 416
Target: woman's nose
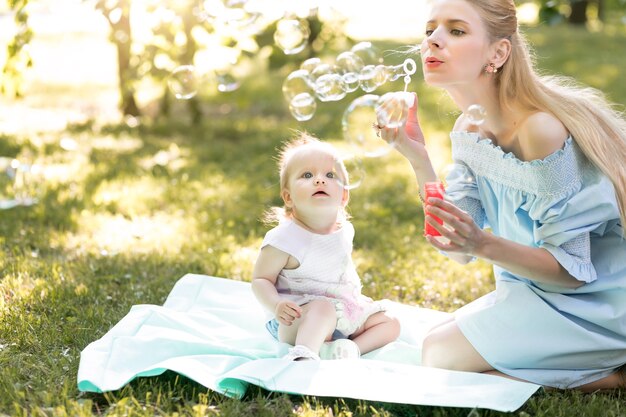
434, 40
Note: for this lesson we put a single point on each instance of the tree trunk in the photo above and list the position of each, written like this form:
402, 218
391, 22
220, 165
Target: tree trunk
118, 15
601, 12
193, 105
122, 38
578, 16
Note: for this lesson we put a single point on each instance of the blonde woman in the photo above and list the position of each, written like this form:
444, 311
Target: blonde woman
545, 171
304, 275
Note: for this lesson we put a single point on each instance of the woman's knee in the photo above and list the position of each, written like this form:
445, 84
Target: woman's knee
434, 349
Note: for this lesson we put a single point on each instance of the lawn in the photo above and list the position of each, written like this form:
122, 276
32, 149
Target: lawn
132, 209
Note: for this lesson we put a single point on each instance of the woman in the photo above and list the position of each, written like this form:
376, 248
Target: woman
545, 172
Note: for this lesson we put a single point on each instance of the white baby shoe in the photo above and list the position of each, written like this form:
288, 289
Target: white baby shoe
340, 349
301, 352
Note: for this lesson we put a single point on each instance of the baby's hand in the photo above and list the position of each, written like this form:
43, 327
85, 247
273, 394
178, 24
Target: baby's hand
287, 311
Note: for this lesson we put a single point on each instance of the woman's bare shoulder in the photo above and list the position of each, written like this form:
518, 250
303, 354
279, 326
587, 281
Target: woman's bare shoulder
540, 135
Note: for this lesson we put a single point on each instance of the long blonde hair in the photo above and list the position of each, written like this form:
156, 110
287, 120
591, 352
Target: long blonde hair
302, 140
596, 126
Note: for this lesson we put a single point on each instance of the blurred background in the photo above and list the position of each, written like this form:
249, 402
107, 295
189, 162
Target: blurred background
74, 60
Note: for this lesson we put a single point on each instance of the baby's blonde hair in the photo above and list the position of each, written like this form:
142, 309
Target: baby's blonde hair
301, 141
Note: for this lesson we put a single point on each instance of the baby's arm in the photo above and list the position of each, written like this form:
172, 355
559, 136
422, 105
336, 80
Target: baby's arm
266, 269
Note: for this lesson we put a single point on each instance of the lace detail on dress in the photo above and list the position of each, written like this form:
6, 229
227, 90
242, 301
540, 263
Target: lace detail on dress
474, 208
557, 174
579, 248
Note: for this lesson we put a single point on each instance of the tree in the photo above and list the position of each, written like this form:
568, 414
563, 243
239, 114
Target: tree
18, 58
181, 33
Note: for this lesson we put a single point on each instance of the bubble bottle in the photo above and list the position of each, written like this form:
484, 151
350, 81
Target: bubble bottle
432, 189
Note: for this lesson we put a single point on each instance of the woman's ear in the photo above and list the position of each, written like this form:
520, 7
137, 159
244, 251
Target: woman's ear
501, 52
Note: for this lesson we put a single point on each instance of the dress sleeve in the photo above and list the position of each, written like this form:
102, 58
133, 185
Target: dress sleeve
564, 225
462, 191
288, 238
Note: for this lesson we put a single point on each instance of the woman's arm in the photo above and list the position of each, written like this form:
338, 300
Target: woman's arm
467, 239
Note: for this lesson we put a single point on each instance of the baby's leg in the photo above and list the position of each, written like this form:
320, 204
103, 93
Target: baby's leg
378, 330
314, 327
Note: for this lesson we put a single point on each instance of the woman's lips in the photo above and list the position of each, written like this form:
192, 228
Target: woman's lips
432, 63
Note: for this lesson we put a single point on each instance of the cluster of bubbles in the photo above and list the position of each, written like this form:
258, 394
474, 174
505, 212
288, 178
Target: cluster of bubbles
247, 17
19, 183
359, 68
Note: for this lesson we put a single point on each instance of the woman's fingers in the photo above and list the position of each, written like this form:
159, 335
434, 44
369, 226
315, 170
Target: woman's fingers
449, 233
450, 220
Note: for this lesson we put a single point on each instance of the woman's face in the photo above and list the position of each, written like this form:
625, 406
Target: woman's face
455, 48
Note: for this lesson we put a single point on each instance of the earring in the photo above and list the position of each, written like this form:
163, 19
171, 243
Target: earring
490, 68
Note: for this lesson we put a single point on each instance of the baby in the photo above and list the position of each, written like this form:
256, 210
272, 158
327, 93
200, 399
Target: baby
304, 274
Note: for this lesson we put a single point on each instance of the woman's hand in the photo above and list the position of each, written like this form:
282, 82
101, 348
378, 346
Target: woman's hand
408, 139
464, 236
287, 311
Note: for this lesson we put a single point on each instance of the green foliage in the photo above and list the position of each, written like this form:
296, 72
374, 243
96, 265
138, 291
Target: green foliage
553, 12
18, 59
135, 208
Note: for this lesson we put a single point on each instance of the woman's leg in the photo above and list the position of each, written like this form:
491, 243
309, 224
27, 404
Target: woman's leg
613, 381
315, 326
446, 347
378, 330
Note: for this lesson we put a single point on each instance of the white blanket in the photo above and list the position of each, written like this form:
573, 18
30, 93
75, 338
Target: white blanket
212, 331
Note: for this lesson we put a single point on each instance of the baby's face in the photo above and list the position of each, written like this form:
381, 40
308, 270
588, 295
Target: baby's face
315, 181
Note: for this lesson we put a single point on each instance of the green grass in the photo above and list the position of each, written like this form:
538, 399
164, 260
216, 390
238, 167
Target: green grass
117, 229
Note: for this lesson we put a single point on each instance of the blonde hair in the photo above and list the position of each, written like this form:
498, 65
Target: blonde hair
596, 126
301, 141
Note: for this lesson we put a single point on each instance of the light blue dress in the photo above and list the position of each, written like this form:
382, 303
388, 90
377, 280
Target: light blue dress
543, 333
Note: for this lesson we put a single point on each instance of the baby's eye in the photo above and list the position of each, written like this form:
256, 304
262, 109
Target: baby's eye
457, 32
307, 175
331, 175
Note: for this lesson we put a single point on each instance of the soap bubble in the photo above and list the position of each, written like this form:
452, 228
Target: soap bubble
356, 171
321, 69
297, 82
183, 83
351, 81
310, 64
302, 106
357, 127
330, 87
226, 82
476, 114
368, 53
349, 65
392, 108
291, 35
371, 77
20, 183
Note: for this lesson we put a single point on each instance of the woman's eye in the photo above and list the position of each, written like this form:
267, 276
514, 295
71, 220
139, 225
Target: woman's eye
307, 175
457, 32
429, 32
